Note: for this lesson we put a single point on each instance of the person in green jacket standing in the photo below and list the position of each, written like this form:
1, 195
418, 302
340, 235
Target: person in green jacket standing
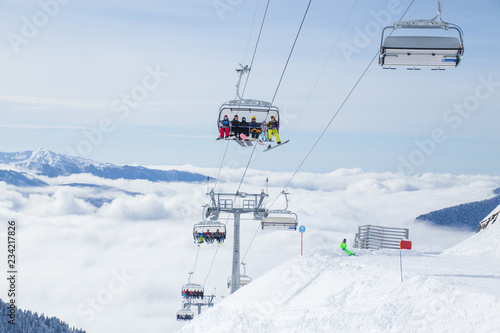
343, 246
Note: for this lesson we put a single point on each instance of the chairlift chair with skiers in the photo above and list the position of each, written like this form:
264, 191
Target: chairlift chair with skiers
192, 290
246, 108
415, 51
185, 314
209, 232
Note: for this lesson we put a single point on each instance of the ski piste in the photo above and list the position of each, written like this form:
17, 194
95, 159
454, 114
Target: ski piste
277, 145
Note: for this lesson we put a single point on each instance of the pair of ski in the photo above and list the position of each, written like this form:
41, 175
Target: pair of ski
244, 141
248, 142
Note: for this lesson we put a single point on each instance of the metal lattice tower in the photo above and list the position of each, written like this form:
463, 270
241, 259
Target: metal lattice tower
224, 202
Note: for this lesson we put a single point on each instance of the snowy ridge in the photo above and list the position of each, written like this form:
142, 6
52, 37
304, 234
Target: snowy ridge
46, 163
326, 291
35, 158
485, 243
20, 179
465, 216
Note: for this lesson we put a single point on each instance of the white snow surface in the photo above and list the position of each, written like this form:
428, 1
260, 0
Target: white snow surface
327, 291
484, 243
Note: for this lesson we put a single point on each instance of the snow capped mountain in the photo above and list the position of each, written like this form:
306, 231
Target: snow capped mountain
465, 216
327, 291
47, 163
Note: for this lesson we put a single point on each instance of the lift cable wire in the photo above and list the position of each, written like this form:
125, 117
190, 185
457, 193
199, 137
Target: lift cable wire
248, 75
196, 260
275, 93
318, 78
307, 101
279, 84
213, 259
220, 166
336, 113
291, 51
255, 49
251, 30
255, 234
272, 101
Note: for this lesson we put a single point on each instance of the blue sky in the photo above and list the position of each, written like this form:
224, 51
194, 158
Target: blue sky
64, 88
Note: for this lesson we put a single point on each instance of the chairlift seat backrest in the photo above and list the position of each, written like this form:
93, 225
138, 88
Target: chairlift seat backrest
279, 222
244, 280
248, 108
421, 51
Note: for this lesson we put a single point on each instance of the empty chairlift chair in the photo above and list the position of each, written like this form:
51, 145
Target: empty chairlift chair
416, 51
244, 278
280, 220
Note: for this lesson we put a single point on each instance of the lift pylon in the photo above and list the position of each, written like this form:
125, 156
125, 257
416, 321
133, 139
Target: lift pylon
248, 203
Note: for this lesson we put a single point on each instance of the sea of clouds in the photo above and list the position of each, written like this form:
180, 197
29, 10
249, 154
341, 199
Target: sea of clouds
120, 266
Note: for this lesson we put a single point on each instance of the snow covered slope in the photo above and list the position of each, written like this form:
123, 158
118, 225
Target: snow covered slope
485, 243
326, 291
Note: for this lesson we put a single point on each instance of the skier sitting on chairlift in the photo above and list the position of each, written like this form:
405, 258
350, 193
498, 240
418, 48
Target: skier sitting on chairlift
224, 128
244, 127
273, 127
235, 127
254, 128
263, 128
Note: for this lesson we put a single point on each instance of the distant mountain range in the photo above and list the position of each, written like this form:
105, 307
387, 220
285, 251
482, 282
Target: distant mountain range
464, 216
20, 179
47, 163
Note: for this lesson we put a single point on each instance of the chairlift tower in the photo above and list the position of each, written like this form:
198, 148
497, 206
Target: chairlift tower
224, 203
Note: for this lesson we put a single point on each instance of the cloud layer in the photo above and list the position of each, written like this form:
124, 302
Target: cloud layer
93, 265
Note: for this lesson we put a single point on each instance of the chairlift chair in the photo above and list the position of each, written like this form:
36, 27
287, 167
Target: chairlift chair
417, 51
215, 229
247, 108
196, 289
280, 218
185, 314
192, 290
284, 220
244, 279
